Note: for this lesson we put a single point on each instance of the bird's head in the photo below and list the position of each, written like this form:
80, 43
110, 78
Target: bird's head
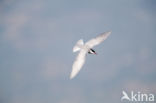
91, 51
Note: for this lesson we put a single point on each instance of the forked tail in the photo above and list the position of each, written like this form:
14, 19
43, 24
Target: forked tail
77, 46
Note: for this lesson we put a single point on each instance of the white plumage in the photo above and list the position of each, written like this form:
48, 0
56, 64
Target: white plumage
84, 49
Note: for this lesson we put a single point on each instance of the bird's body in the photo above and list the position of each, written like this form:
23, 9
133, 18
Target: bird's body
84, 49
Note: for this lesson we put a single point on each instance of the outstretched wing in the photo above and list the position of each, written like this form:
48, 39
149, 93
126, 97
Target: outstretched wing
95, 41
78, 63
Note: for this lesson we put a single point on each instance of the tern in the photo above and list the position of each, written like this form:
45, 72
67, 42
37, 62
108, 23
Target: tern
85, 48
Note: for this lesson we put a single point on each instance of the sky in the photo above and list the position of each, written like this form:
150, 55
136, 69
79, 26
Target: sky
36, 41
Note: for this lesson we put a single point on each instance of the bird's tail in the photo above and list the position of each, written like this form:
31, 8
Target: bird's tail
78, 45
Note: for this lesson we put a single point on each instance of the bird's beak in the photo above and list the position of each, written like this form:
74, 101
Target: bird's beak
95, 53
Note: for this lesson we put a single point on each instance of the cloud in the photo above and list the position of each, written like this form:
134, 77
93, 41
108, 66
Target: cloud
145, 63
139, 86
26, 27
16, 21
14, 26
52, 70
144, 16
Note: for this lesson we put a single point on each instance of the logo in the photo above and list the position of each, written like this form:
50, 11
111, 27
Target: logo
137, 97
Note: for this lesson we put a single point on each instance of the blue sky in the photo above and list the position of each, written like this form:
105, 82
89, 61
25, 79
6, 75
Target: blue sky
37, 37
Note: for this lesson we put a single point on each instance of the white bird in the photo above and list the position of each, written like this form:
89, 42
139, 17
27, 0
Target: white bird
84, 49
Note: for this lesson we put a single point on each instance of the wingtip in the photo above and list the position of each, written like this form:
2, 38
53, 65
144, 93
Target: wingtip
110, 32
71, 77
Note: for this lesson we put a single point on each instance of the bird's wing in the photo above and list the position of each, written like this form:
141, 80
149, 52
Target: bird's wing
78, 63
97, 40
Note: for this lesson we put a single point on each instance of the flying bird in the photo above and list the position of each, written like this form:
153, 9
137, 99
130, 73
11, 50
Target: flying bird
85, 48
